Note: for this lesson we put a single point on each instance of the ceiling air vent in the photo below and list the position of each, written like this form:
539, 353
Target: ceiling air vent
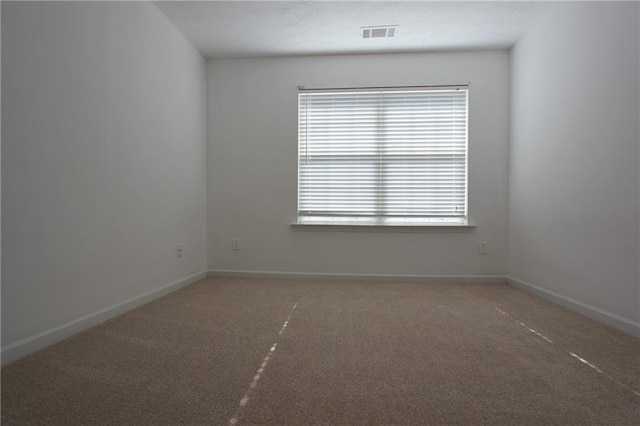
378, 31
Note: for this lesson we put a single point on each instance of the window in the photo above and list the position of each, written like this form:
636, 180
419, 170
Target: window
388, 156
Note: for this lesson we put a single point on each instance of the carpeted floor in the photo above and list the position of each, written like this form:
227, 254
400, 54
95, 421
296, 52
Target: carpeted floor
232, 351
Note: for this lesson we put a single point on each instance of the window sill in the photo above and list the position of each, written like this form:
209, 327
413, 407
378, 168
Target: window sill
376, 227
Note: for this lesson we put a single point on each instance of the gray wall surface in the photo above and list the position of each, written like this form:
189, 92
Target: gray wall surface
253, 166
574, 182
103, 159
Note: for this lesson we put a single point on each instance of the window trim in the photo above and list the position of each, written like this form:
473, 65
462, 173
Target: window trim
351, 227
310, 223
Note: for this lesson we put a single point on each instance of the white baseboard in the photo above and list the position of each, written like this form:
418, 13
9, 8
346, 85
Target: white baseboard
46, 338
488, 279
608, 318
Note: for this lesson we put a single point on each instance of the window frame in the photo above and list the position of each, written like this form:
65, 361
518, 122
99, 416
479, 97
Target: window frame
380, 222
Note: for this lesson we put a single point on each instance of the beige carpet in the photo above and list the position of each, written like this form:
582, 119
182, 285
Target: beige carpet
231, 351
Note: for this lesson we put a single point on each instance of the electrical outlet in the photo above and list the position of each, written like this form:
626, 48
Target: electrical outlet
179, 250
235, 244
482, 247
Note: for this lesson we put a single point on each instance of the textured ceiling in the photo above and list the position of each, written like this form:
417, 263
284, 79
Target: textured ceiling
266, 28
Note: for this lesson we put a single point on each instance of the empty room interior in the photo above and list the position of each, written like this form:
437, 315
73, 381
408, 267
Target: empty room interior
343, 212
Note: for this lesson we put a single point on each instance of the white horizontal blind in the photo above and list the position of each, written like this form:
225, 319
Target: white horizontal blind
383, 155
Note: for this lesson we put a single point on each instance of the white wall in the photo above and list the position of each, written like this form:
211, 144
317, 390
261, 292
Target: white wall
574, 182
0, 165
103, 160
253, 166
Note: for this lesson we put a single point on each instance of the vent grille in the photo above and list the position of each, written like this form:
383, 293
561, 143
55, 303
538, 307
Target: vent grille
381, 31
